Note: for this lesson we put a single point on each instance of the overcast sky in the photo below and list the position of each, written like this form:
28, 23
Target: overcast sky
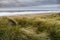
29, 4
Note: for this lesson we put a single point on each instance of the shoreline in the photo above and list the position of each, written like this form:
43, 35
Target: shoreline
26, 13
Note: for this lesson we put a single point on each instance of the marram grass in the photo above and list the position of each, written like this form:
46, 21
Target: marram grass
45, 27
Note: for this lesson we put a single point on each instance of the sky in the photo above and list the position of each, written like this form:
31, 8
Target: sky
29, 4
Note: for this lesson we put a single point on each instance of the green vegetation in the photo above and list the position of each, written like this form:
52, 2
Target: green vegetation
40, 27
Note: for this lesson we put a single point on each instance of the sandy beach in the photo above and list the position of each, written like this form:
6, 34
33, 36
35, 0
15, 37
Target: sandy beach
23, 13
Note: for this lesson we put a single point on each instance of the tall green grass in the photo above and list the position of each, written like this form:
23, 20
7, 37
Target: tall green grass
45, 27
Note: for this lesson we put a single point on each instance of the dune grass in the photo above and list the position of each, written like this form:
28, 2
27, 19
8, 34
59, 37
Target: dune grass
45, 27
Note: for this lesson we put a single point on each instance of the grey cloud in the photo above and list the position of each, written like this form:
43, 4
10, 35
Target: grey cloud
25, 3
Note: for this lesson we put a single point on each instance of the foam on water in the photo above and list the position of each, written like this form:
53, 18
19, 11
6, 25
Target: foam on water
22, 13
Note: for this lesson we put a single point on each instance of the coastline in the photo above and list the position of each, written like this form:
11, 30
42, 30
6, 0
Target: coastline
26, 13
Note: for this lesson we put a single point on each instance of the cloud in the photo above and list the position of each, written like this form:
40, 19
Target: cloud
25, 3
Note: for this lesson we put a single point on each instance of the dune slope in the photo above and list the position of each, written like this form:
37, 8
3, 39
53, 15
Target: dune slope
30, 27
